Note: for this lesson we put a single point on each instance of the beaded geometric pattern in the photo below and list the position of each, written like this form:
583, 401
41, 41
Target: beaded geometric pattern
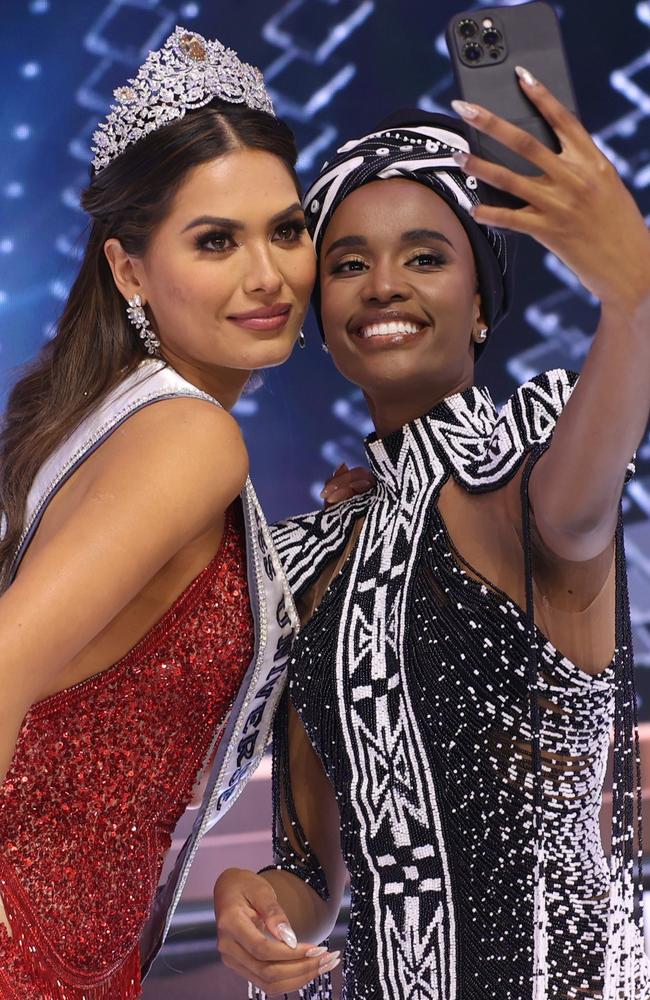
186, 73
428, 693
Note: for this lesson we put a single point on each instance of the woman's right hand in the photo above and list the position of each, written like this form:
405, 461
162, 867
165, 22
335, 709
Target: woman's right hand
255, 937
346, 483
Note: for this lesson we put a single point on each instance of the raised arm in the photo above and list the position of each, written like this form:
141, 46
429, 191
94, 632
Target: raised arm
300, 907
159, 482
579, 208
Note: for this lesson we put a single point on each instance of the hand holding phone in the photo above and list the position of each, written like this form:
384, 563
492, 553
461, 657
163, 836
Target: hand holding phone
574, 203
485, 47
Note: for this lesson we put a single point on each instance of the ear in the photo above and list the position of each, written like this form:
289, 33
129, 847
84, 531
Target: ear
480, 325
125, 270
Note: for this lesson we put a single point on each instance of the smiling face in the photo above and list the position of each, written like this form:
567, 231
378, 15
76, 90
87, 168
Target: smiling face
227, 275
399, 301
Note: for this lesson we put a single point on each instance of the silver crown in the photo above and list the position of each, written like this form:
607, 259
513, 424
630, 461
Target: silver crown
187, 72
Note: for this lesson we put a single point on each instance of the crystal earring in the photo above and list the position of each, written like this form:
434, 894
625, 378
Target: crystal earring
301, 341
138, 317
325, 347
482, 335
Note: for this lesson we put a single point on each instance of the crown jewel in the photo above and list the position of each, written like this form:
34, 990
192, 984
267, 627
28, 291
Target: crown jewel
187, 72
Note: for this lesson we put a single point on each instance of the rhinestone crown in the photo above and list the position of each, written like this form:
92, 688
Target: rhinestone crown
187, 72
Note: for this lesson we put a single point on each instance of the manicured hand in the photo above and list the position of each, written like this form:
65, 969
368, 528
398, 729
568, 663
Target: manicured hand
256, 940
346, 483
578, 207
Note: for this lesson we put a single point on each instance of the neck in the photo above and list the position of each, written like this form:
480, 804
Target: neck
389, 412
225, 384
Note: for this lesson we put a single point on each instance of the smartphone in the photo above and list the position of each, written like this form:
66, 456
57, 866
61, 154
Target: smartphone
485, 45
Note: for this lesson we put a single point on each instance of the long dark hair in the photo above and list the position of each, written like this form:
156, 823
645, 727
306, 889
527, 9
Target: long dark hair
95, 345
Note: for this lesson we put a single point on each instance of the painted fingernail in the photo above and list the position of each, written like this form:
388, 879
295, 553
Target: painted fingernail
315, 952
525, 75
287, 935
460, 158
330, 962
465, 110
328, 968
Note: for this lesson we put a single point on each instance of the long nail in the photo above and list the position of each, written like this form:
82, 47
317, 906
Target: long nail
328, 968
467, 111
525, 75
341, 468
330, 962
460, 158
315, 952
287, 935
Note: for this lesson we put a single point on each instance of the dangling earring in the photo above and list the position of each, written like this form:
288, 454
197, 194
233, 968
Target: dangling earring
301, 341
138, 317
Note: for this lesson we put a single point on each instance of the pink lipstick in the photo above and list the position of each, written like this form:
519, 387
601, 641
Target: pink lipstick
265, 318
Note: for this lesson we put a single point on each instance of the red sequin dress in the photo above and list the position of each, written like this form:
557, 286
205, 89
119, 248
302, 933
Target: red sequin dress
101, 774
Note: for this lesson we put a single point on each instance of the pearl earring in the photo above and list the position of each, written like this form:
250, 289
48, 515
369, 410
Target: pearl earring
138, 318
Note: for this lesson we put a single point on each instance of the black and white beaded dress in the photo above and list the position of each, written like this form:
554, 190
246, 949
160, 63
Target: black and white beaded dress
466, 753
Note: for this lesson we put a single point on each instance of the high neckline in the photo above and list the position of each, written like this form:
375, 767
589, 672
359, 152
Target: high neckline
460, 425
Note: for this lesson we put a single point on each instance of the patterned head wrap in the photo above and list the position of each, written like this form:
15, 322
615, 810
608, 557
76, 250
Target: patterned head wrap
418, 146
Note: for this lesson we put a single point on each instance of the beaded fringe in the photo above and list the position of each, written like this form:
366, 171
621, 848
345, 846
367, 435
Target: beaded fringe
318, 989
625, 911
626, 889
44, 983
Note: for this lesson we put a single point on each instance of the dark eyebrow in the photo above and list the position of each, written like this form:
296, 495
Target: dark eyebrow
409, 237
222, 223
347, 241
413, 235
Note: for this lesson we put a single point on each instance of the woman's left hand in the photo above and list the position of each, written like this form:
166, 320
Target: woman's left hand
577, 207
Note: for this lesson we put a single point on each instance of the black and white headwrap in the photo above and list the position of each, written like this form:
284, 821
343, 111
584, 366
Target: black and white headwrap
419, 146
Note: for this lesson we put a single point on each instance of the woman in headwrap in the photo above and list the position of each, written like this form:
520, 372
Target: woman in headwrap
451, 699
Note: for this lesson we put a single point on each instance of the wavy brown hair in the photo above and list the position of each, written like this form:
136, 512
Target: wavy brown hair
95, 345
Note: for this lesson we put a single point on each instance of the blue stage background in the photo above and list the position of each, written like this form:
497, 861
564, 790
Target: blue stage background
334, 67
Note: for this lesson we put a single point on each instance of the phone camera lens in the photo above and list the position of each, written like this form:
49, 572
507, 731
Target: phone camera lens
491, 36
467, 28
473, 52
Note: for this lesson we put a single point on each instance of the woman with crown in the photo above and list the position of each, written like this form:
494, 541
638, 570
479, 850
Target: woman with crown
144, 621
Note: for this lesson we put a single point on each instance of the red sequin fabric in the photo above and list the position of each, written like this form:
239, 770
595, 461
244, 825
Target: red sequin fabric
101, 774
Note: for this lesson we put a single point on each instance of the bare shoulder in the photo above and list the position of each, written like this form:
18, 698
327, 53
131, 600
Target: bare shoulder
177, 439
178, 462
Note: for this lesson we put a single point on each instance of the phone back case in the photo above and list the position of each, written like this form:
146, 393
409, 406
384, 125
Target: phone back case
531, 33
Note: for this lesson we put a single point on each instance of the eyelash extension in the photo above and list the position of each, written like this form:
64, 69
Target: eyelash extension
297, 227
438, 259
338, 267
204, 238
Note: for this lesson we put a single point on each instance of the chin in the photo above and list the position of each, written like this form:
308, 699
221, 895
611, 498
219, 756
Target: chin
271, 353
389, 369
